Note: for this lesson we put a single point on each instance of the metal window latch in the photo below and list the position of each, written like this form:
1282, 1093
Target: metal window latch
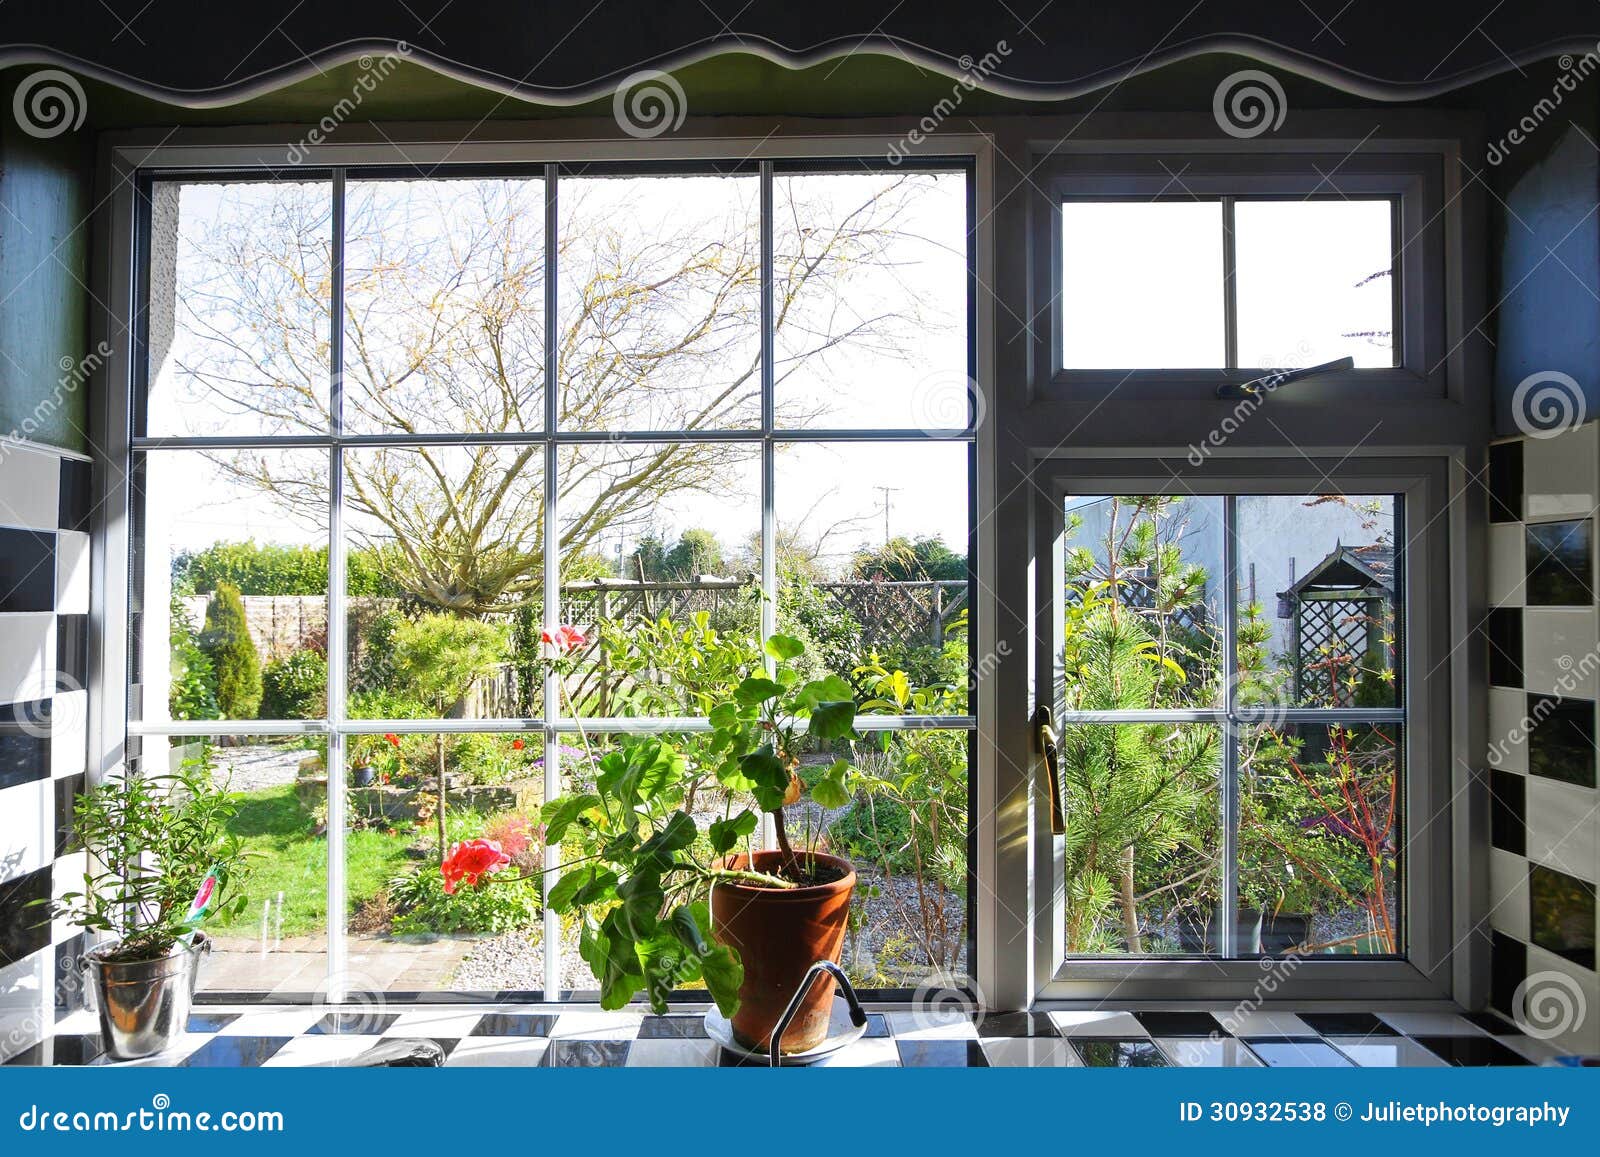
1044, 735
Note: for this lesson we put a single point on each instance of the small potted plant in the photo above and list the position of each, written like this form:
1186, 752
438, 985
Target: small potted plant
161, 862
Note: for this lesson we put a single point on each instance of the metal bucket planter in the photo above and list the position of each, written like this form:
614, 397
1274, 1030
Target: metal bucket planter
144, 1004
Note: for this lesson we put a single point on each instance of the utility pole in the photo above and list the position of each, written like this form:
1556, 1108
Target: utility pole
886, 490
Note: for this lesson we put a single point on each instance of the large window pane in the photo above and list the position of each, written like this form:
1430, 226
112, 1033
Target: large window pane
240, 296
1142, 285
445, 576
660, 318
444, 306
870, 300
1319, 839
230, 585
1143, 573
1315, 282
661, 563
1319, 609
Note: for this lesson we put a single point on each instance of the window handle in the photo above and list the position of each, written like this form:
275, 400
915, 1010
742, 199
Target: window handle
1045, 742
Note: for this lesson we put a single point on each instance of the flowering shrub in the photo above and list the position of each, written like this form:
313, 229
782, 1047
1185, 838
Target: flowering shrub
470, 861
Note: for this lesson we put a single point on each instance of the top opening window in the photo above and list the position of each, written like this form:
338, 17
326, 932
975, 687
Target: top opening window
1228, 283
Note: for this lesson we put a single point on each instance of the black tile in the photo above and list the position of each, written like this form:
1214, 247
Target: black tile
447, 1043
1503, 630
941, 1054
72, 652
587, 1054
210, 1021
1492, 1023
1014, 1024
24, 745
71, 1049
27, 570
1165, 1023
1505, 482
234, 1052
514, 1024
1298, 1053
68, 789
354, 1023
1347, 1024
1110, 1053
24, 925
1508, 809
1560, 567
877, 1026
76, 499
673, 1028
69, 974
1561, 914
1508, 968
1471, 1051
1561, 739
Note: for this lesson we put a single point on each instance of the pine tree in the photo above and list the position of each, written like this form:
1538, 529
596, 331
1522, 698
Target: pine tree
227, 643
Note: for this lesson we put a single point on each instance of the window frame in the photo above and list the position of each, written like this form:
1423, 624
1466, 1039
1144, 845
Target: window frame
134, 168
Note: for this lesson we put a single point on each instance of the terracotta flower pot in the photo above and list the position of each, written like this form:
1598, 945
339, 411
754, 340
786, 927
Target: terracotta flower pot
779, 934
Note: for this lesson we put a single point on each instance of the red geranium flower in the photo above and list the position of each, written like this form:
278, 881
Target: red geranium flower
564, 638
471, 861
393, 738
517, 745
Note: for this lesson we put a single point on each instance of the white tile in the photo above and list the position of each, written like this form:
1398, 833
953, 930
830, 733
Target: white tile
498, 1052
1558, 651
274, 1022
1508, 566
932, 1024
1508, 893
672, 1054
1431, 1024
1559, 474
1385, 1052
597, 1026
1205, 1053
320, 1050
1564, 827
1260, 1023
30, 488
1508, 730
72, 573
69, 733
26, 1004
67, 876
1097, 1023
443, 1023
1562, 1003
27, 829
869, 1053
1536, 1050
27, 656
1031, 1053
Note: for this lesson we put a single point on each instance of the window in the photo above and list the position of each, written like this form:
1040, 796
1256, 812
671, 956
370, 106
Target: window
1230, 683
390, 429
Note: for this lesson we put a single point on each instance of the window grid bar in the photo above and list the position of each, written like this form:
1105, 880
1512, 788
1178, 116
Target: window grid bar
1227, 940
613, 725
769, 452
1242, 715
552, 565
310, 441
338, 941
1230, 287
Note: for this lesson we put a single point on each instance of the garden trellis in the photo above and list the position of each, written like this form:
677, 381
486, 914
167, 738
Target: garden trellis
1341, 624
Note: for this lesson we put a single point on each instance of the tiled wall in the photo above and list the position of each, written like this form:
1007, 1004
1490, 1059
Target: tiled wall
1544, 675
44, 614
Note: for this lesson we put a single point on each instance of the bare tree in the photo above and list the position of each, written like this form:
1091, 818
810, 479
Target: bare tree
444, 330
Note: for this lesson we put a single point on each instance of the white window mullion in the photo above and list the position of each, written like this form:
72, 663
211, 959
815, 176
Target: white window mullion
338, 956
552, 572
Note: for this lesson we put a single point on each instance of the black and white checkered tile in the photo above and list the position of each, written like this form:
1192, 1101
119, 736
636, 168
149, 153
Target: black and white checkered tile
1543, 639
44, 614
569, 1036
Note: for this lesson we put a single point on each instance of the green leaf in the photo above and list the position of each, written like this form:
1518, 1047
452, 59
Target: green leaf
833, 719
785, 647
832, 790
726, 834
723, 976
687, 930
678, 833
756, 689
724, 716
821, 690
559, 814
583, 885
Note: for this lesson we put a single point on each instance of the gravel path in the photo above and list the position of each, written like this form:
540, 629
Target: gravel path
257, 767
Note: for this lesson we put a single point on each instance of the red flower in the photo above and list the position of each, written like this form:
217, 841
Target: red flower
393, 739
564, 639
517, 745
471, 861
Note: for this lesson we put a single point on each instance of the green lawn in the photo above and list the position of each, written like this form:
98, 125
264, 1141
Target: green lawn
290, 858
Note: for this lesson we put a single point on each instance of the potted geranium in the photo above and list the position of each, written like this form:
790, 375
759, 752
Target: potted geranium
160, 863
